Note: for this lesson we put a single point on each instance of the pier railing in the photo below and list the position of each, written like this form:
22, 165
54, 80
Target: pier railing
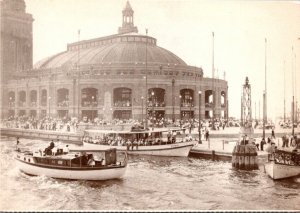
286, 158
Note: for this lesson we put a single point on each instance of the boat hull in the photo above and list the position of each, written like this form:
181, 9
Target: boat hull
171, 150
280, 171
72, 173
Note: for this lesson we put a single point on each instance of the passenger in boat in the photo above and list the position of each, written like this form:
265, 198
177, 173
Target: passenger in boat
17, 144
48, 150
270, 150
91, 161
66, 149
169, 135
135, 143
128, 144
54, 150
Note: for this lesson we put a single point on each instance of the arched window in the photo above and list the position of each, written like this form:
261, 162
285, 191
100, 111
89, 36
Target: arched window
33, 98
156, 97
44, 97
22, 98
11, 99
63, 97
209, 99
89, 97
187, 97
122, 97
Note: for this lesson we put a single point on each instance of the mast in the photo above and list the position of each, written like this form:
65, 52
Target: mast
78, 73
293, 107
284, 92
146, 95
265, 118
213, 83
266, 114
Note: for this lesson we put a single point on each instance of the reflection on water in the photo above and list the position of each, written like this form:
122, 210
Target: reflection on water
149, 183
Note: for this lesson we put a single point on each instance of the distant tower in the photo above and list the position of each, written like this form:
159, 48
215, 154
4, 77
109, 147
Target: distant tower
127, 25
246, 104
16, 38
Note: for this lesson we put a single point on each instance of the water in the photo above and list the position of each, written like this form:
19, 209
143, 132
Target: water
150, 183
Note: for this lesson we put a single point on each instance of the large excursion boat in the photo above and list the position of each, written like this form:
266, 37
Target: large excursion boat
283, 164
77, 164
159, 142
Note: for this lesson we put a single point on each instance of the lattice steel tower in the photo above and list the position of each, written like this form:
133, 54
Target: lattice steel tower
246, 112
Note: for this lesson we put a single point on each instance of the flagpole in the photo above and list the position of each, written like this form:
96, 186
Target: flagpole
284, 92
213, 82
78, 74
146, 95
266, 114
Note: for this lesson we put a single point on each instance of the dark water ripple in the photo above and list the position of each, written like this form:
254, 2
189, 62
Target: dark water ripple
150, 183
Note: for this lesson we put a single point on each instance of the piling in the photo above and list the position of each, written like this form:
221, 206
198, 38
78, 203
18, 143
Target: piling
244, 157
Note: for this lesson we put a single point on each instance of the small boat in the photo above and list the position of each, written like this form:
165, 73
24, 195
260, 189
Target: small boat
77, 164
159, 142
283, 164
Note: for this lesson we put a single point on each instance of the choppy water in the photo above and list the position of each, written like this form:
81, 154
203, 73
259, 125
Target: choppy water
150, 183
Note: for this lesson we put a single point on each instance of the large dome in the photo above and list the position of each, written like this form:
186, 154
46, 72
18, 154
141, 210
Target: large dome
120, 48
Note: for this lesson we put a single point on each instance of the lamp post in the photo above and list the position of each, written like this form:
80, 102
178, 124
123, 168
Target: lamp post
190, 117
200, 142
142, 110
93, 100
180, 110
49, 104
152, 95
173, 115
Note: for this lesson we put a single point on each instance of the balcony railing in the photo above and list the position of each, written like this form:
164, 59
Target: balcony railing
186, 104
89, 104
156, 104
33, 104
209, 104
22, 103
122, 104
63, 104
11, 104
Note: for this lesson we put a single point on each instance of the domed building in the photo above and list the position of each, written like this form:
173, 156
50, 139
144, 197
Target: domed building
123, 76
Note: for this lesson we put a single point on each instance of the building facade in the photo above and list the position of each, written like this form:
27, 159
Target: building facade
123, 76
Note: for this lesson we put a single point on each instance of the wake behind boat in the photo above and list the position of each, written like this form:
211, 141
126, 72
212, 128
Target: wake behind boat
159, 142
76, 164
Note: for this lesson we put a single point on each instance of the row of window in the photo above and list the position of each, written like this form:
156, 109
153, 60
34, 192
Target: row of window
112, 40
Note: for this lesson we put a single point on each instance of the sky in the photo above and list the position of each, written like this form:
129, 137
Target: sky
185, 28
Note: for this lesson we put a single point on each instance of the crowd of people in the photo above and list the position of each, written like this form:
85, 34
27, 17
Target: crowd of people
46, 123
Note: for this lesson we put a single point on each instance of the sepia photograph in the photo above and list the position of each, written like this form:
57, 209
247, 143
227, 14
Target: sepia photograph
149, 105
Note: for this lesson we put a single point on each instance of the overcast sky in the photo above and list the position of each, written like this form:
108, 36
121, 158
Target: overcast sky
185, 27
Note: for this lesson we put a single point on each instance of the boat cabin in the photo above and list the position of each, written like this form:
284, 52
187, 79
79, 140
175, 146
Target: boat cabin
123, 138
75, 158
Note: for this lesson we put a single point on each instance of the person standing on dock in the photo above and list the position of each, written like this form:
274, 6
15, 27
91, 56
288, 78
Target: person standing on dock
262, 143
273, 133
207, 135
